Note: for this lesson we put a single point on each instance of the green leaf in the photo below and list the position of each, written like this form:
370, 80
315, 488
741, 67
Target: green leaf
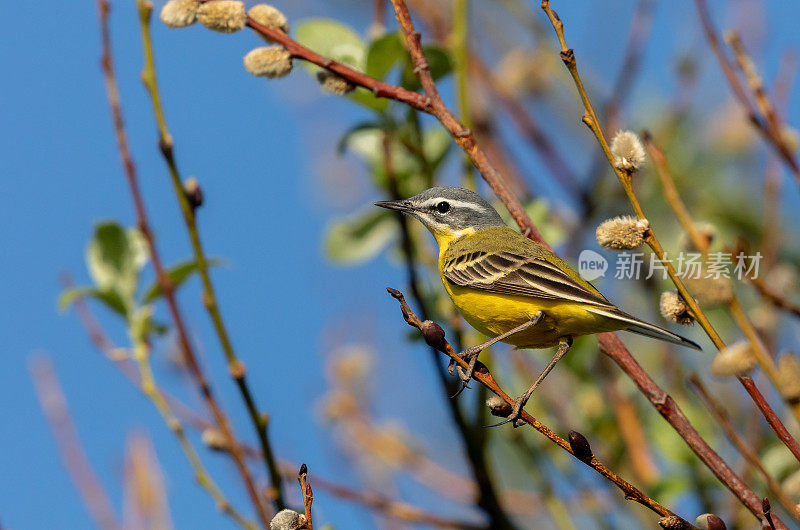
114, 258
367, 143
360, 237
178, 274
436, 143
332, 39
383, 54
141, 323
69, 296
439, 63
138, 246
110, 298
366, 98
344, 142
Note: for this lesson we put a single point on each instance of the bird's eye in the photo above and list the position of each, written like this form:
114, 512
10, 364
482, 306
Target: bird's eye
443, 207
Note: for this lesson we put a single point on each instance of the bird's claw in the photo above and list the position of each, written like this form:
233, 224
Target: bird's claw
470, 355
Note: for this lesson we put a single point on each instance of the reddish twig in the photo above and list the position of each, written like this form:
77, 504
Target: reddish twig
567, 55
164, 281
702, 244
435, 337
236, 368
308, 496
777, 299
378, 88
527, 125
766, 122
612, 346
54, 405
462, 135
430, 102
393, 509
719, 414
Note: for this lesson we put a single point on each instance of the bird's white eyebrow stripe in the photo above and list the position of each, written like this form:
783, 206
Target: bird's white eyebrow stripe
453, 203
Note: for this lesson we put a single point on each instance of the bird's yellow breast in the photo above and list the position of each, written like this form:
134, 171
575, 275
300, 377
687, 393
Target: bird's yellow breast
493, 313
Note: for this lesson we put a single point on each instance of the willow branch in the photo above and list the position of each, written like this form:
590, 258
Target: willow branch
430, 102
73, 456
702, 244
777, 299
528, 127
484, 377
236, 367
164, 281
640, 30
151, 390
765, 120
382, 504
378, 88
718, 412
625, 178
459, 44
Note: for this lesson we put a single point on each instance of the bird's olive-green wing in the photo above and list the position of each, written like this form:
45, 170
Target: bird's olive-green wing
514, 267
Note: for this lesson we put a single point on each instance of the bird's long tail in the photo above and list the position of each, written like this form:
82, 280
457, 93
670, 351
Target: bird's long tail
641, 327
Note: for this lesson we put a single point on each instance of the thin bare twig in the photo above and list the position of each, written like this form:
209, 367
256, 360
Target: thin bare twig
436, 339
702, 244
640, 29
765, 120
718, 412
773, 174
164, 281
54, 405
387, 507
236, 367
527, 125
625, 178
776, 298
308, 496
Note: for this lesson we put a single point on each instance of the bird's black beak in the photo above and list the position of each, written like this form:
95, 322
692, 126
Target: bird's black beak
401, 206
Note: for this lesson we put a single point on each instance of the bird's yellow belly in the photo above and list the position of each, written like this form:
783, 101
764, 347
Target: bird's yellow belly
493, 314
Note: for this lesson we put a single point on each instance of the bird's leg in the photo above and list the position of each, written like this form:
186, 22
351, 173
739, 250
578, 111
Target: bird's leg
563, 348
470, 355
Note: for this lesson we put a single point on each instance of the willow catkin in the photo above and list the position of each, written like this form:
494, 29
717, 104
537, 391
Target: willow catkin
622, 233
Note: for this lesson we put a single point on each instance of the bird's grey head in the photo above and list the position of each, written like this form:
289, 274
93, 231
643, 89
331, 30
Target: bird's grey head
445, 210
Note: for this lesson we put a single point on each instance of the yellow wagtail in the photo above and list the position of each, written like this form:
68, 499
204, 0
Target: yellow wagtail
511, 288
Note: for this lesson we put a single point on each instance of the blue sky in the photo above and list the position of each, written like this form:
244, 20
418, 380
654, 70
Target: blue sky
258, 150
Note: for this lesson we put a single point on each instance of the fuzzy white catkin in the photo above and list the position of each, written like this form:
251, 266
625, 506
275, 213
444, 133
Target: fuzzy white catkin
334, 83
287, 520
735, 360
269, 16
214, 439
709, 291
628, 151
225, 16
268, 61
792, 484
494, 402
674, 308
789, 376
790, 138
622, 233
179, 13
